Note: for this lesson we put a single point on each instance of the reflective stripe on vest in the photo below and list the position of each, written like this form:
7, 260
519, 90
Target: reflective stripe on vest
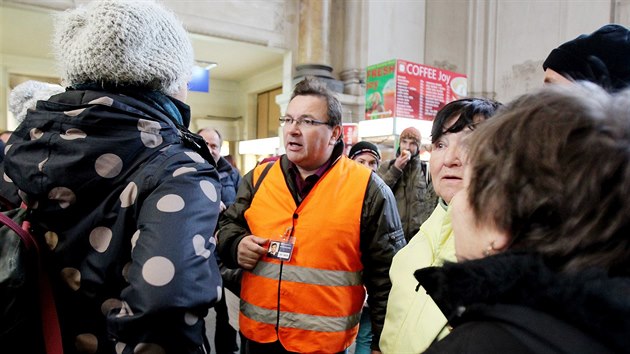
300, 320
307, 275
313, 302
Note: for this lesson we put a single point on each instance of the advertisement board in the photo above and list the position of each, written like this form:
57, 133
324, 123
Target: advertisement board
403, 89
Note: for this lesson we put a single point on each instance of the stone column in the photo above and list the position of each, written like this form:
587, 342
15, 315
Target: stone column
314, 43
353, 74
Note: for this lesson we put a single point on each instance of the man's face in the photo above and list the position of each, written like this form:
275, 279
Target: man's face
309, 147
553, 77
214, 143
368, 160
409, 144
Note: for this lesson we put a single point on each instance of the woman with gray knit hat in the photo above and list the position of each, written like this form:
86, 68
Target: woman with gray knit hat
126, 196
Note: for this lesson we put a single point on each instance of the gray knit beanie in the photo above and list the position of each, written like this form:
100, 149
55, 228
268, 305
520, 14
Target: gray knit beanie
123, 43
25, 96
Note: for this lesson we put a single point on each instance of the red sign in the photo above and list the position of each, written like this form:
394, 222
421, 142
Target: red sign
410, 90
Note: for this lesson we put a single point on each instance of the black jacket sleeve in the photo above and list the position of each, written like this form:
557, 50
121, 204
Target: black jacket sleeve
381, 238
232, 225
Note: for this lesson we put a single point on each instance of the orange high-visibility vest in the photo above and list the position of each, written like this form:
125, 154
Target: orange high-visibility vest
313, 302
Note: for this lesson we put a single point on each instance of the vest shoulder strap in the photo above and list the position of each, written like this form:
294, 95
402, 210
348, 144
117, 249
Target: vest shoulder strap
260, 178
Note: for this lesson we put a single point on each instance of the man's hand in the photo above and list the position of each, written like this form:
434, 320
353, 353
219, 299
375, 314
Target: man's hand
250, 250
402, 160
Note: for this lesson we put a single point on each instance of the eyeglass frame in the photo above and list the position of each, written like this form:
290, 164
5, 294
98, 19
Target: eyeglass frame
310, 122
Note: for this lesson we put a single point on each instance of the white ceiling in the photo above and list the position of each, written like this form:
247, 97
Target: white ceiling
26, 32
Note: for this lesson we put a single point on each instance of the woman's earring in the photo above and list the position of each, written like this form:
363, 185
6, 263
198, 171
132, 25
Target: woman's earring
489, 250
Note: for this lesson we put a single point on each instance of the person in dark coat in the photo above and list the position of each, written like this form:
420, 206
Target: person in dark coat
600, 57
541, 230
126, 196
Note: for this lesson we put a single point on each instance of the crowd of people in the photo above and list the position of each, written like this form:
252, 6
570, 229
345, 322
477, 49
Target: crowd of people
516, 243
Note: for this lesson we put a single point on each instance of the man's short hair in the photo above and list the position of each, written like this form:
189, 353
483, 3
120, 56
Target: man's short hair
469, 111
310, 86
208, 129
553, 171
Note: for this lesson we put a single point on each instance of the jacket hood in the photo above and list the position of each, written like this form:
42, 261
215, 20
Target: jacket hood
590, 300
82, 145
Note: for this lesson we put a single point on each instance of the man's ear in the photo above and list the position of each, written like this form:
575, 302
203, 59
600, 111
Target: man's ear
335, 135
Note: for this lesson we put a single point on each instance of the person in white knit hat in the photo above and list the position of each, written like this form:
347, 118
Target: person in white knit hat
127, 196
25, 96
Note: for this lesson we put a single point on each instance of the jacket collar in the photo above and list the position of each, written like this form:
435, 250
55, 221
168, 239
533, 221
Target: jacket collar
591, 300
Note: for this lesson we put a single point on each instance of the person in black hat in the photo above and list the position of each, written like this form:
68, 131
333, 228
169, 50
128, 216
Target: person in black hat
366, 153
601, 57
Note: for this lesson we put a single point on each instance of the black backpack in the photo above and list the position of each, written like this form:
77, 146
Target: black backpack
29, 318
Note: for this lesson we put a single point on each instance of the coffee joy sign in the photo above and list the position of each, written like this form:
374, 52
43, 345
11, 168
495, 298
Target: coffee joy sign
399, 88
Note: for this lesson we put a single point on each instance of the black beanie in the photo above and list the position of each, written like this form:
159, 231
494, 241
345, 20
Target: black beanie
602, 57
364, 146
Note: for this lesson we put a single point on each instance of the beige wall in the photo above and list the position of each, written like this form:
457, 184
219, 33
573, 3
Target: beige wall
501, 45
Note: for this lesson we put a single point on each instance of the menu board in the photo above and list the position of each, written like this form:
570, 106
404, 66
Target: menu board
400, 88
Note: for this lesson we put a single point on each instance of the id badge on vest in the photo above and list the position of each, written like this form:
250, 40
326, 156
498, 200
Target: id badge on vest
282, 249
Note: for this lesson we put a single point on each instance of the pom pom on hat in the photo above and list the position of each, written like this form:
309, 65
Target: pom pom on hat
123, 43
25, 96
362, 147
601, 57
411, 133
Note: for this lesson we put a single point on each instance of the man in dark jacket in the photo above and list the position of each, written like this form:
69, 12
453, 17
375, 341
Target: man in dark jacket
230, 177
406, 176
337, 227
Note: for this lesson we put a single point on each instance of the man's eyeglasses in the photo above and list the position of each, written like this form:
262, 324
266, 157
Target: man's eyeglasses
309, 122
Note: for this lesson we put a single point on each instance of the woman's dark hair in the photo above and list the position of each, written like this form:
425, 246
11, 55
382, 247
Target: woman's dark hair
470, 112
552, 170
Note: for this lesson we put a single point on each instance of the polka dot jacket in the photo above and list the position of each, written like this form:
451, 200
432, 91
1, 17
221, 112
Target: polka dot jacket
129, 214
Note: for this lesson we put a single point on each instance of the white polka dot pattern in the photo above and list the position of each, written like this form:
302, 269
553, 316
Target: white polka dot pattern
63, 195
128, 195
72, 277
195, 157
120, 347
125, 310
7, 178
40, 166
170, 203
208, 189
108, 165
199, 244
51, 239
190, 319
158, 271
86, 343
36, 134
134, 239
148, 348
109, 305
7, 148
105, 101
125, 271
74, 112
150, 133
73, 134
100, 238
182, 170
219, 293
